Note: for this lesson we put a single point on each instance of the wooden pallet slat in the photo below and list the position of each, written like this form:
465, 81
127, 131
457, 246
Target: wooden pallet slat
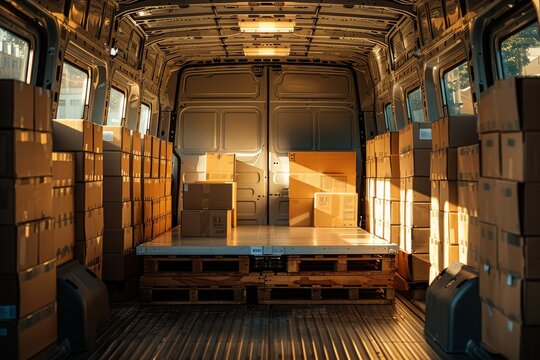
194, 295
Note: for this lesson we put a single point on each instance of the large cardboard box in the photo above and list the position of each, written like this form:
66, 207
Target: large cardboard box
371, 187
209, 195
116, 189
491, 334
206, 223
17, 104
487, 111
301, 212
322, 162
418, 189
517, 207
147, 145
63, 169
335, 210
138, 233
25, 292
413, 267
448, 163
519, 298
116, 138
391, 144
117, 215
64, 240
19, 248
305, 185
156, 147
448, 192
73, 135
417, 215
87, 196
469, 163
42, 109
388, 167
220, 167
468, 197
19, 146
392, 212
519, 255
515, 340
491, 155
119, 267
116, 163
521, 106
415, 136
458, 130
417, 240
436, 225
486, 200
520, 152
84, 166
27, 337
63, 203
89, 252
19, 204
415, 163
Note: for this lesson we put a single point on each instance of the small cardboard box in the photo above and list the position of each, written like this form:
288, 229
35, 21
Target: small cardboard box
436, 254
415, 163
468, 197
436, 225
46, 247
489, 277
469, 163
19, 146
136, 188
98, 167
17, 104
300, 212
116, 138
417, 215
448, 162
116, 163
156, 146
417, 240
84, 166
521, 106
137, 212
206, 223
220, 167
519, 298
486, 200
136, 143
169, 151
147, 231
413, 267
392, 189
162, 168
415, 136
117, 241
390, 143
435, 134
27, 291
19, 248
418, 189
117, 189
43, 197
64, 240
154, 173
487, 111
86, 197
341, 162
117, 215
136, 166
98, 138
147, 145
207, 195
335, 210
371, 187
448, 196
63, 203
491, 155
450, 229
435, 195
146, 167
392, 212
42, 109
73, 135
85, 225
520, 152
519, 255
138, 235
63, 169
458, 130
516, 207
119, 267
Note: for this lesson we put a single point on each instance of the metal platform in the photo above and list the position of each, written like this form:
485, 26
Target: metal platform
272, 240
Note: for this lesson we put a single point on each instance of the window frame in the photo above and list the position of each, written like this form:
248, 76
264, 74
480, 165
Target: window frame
452, 66
149, 106
88, 72
125, 93
388, 127
19, 30
409, 115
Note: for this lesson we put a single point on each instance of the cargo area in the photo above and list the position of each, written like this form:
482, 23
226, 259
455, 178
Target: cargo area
269, 180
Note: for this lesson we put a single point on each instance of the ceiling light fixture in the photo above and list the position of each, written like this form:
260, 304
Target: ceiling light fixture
266, 25
267, 51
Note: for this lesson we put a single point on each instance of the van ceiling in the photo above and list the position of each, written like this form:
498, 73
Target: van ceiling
195, 31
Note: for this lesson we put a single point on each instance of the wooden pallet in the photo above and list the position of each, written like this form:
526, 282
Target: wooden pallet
194, 295
337, 279
325, 295
195, 265
341, 263
201, 280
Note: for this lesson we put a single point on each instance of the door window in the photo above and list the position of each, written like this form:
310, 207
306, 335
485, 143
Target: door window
14, 56
73, 92
520, 52
457, 90
117, 106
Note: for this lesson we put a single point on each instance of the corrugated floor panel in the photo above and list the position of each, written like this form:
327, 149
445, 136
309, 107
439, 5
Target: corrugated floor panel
140, 331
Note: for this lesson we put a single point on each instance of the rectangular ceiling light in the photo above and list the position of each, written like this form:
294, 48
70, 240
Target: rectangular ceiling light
266, 25
267, 51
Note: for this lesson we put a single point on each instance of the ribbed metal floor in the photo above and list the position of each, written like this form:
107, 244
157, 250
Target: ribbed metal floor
140, 331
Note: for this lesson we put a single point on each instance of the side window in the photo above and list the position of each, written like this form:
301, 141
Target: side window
117, 105
389, 117
144, 121
414, 105
73, 92
456, 87
14, 56
520, 52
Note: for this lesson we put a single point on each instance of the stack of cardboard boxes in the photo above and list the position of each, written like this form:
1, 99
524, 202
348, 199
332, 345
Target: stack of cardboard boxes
509, 193
415, 197
371, 185
27, 250
387, 205
162, 221
468, 224
136, 174
148, 188
85, 140
210, 206
322, 189
63, 165
167, 181
448, 133
119, 256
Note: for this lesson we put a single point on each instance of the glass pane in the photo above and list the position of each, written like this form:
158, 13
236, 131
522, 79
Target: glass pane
520, 53
414, 106
14, 55
144, 121
389, 117
73, 90
457, 91
116, 107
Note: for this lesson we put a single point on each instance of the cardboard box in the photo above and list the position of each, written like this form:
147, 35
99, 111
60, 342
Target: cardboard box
27, 337
486, 200
448, 196
118, 241
17, 104
147, 210
20, 204
491, 155
96, 269
169, 169
463, 229
155, 209
147, 231
435, 196
415, 163
448, 161
169, 151
154, 171
168, 204
116, 138
469, 163
436, 254
136, 188
417, 240
519, 255
42, 109
63, 169
19, 248
305, 185
300, 212
391, 144
519, 156
379, 209
516, 207
371, 187
64, 240
217, 196
162, 168
521, 106
388, 167
85, 225
391, 233
43, 197
415, 136
515, 340
147, 145
116, 163
86, 196
19, 146
138, 235
27, 291
46, 247
436, 225
206, 223
489, 244
417, 215
89, 252
458, 130
487, 111
73, 135
392, 189
489, 278
84, 166
119, 267
322, 162
519, 298
117, 215
136, 143
97, 138
335, 210
156, 145
450, 230
136, 166
436, 135
491, 334
370, 149
418, 189
392, 212
137, 212
220, 167
63, 203
146, 167
98, 167
413, 267
117, 188
468, 197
